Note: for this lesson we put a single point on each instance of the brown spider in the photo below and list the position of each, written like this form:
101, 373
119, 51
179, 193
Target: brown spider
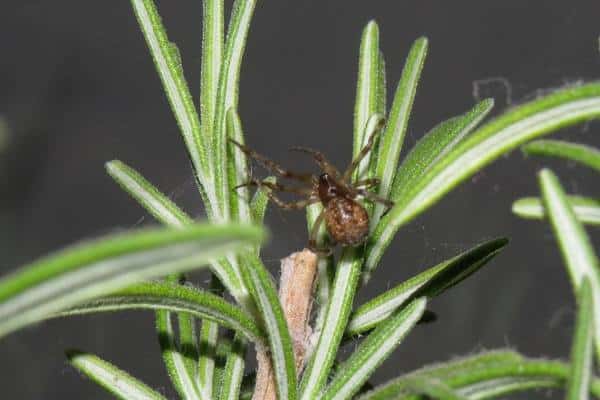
346, 220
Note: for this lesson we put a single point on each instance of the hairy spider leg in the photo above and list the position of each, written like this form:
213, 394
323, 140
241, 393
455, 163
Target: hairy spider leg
320, 159
363, 152
294, 205
312, 241
372, 197
277, 186
272, 165
366, 183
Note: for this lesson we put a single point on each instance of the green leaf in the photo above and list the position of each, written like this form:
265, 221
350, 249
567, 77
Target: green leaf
483, 376
586, 209
157, 204
227, 95
430, 283
367, 90
258, 205
265, 295
175, 362
212, 54
177, 91
174, 298
580, 153
392, 139
582, 350
499, 136
336, 317
237, 169
435, 145
209, 335
355, 371
575, 246
4, 134
99, 267
116, 381
165, 211
432, 389
234, 371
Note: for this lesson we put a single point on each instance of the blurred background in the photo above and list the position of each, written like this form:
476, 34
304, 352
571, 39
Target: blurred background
78, 88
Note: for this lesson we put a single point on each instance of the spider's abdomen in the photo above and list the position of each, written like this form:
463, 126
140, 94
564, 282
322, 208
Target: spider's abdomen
347, 221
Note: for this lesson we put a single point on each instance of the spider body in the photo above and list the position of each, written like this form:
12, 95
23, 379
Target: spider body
346, 220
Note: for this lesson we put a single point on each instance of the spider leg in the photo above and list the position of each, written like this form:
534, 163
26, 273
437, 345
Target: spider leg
272, 165
372, 197
294, 205
277, 187
312, 241
363, 152
366, 183
320, 159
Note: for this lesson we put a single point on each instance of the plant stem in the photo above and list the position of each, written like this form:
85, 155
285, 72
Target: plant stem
296, 287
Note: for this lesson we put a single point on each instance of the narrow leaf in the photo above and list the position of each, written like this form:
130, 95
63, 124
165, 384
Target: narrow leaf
355, 371
116, 381
237, 169
434, 145
159, 205
174, 298
212, 54
227, 96
582, 349
586, 209
574, 243
234, 371
336, 318
392, 139
258, 205
175, 362
432, 389
265, 295
169, 69
580, 153
367, 90
96, 268
499, 136
430, 283
483, 376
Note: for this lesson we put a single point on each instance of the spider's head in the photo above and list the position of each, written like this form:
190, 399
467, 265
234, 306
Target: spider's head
328, 188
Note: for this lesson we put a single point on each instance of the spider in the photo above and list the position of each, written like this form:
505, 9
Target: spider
346, 220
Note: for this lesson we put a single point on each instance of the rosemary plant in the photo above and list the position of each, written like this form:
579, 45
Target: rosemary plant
112, 273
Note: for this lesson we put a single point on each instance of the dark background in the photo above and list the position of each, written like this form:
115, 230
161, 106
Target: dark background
78, 88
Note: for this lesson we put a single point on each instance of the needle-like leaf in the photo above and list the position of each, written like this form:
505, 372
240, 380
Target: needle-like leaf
355, 371
336, 317
434, 145
265, 295
212, 54
580, 153
521, 124
234, 371
157, 204
97, 268
392, 138
429, 283
116, 381
227, 95
586, 209
237, 170
175, 298
582, 350
575, 246
483, 376
168, 65
367, 91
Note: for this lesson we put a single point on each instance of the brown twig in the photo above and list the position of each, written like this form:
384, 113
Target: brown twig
296, 286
